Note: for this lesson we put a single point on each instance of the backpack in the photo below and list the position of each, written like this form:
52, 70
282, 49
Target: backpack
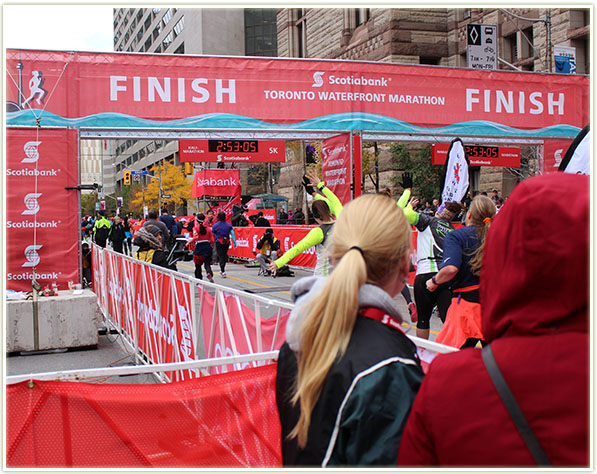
285, 271
101, 234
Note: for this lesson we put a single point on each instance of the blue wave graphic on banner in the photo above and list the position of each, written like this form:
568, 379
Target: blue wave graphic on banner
343, 122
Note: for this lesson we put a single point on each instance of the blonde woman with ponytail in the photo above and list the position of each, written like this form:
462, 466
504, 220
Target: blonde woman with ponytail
461, 266
347, 374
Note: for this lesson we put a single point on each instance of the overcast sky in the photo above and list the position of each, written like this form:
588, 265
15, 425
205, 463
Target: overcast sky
58, 27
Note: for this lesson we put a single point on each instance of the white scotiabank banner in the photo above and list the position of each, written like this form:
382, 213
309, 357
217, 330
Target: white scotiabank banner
42, 223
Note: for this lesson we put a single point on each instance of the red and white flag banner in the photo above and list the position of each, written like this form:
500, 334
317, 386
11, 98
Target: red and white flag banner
42, 225
218, 182
335, 166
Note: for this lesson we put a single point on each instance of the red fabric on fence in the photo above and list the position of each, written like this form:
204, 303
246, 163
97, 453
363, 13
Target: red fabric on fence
227, 420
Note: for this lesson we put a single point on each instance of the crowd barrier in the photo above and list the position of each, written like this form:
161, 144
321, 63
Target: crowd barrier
181, 329
166, 316
228, 420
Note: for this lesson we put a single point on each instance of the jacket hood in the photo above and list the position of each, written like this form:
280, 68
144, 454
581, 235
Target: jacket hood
535, 273
305, 290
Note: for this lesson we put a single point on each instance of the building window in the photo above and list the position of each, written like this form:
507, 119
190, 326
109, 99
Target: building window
147, 23
179, 26
362, 15
180, 49
156, 11
511, 47
167, 41
260, 32
167, 16
147, 44
301, 33
158, 49
527, 49
429, 60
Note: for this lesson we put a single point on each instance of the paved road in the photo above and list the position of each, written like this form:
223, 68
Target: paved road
110, 352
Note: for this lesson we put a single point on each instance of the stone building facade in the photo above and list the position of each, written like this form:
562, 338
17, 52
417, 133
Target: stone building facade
436, 36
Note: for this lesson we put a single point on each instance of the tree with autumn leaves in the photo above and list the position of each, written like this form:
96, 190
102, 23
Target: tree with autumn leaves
174, 184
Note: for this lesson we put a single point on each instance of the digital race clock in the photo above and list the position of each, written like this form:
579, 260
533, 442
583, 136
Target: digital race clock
482, 151
233, 146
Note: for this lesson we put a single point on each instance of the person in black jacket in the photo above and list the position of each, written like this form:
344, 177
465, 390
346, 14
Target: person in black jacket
117, 235
347, 375
150, 242
268, 247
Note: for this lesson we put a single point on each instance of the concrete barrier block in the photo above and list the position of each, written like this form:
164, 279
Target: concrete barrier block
64, 321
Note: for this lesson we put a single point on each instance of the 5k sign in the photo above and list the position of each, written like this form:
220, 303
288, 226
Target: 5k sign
42, 220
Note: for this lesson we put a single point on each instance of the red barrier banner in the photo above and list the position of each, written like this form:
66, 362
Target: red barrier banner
335, 166
247, 238
152, 306
42, 226
553, 153
245, 151
221, 421
168, 87
216, 182
480, 155
237, 330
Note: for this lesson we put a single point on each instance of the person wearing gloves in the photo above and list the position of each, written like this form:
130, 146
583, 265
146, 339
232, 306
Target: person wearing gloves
431, 231
324, 208
347, 374
534, 291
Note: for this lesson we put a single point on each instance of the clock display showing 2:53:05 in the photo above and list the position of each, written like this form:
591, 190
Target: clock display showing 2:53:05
482, 151
233, 146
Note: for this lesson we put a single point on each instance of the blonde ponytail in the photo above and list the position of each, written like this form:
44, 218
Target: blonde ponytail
370, 243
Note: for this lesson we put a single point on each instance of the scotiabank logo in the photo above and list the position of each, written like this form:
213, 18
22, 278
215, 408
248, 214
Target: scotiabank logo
216, 182
317, 80
350, 80
32, 256
31, 152
31, 204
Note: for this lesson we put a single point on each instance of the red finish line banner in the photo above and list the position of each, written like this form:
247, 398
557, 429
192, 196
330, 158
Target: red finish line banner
480, 155
282, 91
245, 151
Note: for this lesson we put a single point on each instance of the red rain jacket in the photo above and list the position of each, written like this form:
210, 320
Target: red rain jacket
534, 300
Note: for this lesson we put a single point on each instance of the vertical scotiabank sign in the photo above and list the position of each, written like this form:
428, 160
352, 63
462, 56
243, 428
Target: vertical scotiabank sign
336, 165
553, 153
42, 218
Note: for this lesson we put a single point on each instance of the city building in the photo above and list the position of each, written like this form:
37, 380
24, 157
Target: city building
210, 31
526, 41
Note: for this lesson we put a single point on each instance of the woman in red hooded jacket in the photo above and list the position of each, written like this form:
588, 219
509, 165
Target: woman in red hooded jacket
534, 299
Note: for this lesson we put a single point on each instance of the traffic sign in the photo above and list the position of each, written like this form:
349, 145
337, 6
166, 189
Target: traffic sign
166, 196
139, 172
481, 46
